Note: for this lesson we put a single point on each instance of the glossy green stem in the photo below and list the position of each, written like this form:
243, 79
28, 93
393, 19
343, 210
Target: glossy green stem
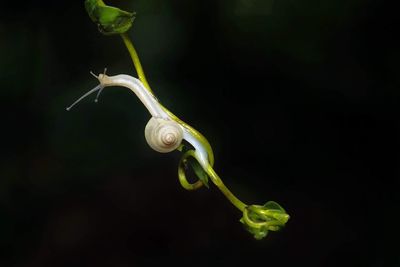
136, 61
221, 186
209, 170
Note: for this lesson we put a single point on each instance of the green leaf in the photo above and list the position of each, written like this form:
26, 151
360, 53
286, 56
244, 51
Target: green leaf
110, 20
199, 171
276, 211
197, 168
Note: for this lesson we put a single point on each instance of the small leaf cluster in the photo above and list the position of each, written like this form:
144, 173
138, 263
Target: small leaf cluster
259, 220
110, 20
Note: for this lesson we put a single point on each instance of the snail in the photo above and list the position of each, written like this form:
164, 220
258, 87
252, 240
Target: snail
164, 132
163, 135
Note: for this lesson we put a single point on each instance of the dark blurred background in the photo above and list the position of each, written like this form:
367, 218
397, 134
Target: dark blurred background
299, 100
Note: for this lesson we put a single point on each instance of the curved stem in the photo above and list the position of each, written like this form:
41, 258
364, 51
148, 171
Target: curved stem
182, 176
209, 170
222, 187
218, 182
136, 61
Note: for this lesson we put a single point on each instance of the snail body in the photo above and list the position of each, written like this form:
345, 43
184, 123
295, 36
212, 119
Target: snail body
164, 132
136, 86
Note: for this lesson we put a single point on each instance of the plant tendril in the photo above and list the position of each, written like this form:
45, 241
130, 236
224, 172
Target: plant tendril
257, 219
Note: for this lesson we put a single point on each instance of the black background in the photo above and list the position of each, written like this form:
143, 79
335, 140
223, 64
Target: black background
299, 100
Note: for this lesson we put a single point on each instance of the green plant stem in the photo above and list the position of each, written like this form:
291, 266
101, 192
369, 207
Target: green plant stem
136, 61
214, 178
209, 170
221, 186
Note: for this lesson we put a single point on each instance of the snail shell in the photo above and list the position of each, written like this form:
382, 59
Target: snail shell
163, 135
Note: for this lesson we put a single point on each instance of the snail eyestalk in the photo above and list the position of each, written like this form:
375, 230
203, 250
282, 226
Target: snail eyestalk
97, 88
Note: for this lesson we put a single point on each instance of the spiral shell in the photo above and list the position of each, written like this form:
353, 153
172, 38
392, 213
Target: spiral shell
163, 135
